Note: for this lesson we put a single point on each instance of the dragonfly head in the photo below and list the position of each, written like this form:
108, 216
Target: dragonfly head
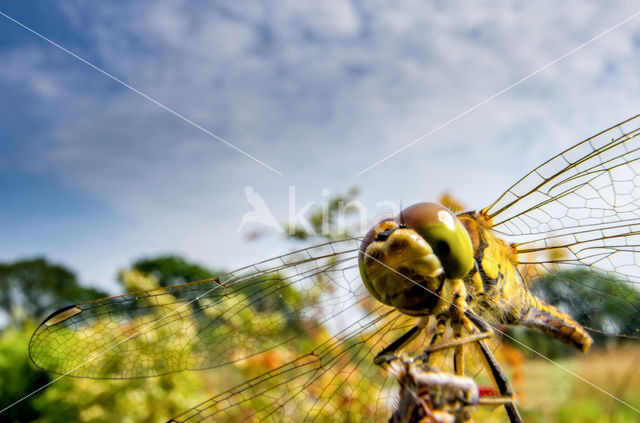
405, 260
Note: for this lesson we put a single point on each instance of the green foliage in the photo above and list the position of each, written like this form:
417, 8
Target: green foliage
18, 376
173, 270
31, 289
131, 401
276, 320
35, 287
156, 399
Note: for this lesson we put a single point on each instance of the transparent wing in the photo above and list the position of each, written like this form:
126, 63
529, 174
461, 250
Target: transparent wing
336, 381
292, 339
209, 323
580, 212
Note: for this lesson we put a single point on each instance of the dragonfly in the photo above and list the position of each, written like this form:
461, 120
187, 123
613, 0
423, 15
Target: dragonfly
309, 335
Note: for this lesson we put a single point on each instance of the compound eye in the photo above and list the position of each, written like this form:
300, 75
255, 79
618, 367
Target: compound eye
445, 234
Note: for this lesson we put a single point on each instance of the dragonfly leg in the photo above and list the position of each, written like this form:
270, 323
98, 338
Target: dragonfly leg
470, 322
459, 322
388, 353
495, 371
458, 352
455, 342
441, 326
436, 343
458, 342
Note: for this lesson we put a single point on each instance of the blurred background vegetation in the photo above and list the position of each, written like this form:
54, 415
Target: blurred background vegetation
32, 288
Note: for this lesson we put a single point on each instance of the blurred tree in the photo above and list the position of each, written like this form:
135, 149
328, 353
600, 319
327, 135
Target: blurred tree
18, 377
595, 300
329, 221
29, 290
154, 399
173, 270
35, 287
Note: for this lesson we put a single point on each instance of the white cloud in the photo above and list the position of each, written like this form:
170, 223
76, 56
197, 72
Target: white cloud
319, 93
37, 80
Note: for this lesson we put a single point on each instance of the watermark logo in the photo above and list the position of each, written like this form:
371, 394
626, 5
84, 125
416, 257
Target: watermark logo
260, 213
331, 217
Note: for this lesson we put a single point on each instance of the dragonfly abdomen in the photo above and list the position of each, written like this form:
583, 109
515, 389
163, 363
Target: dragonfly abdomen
553, 322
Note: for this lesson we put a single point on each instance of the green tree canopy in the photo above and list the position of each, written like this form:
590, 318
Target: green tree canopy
173, 270
35, 287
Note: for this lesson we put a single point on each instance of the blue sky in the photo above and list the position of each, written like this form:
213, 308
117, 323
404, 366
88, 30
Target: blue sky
94, 175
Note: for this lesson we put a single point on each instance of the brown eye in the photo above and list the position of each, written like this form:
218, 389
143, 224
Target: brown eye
445, 234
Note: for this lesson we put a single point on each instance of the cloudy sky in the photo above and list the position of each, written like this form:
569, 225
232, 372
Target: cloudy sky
95, 173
